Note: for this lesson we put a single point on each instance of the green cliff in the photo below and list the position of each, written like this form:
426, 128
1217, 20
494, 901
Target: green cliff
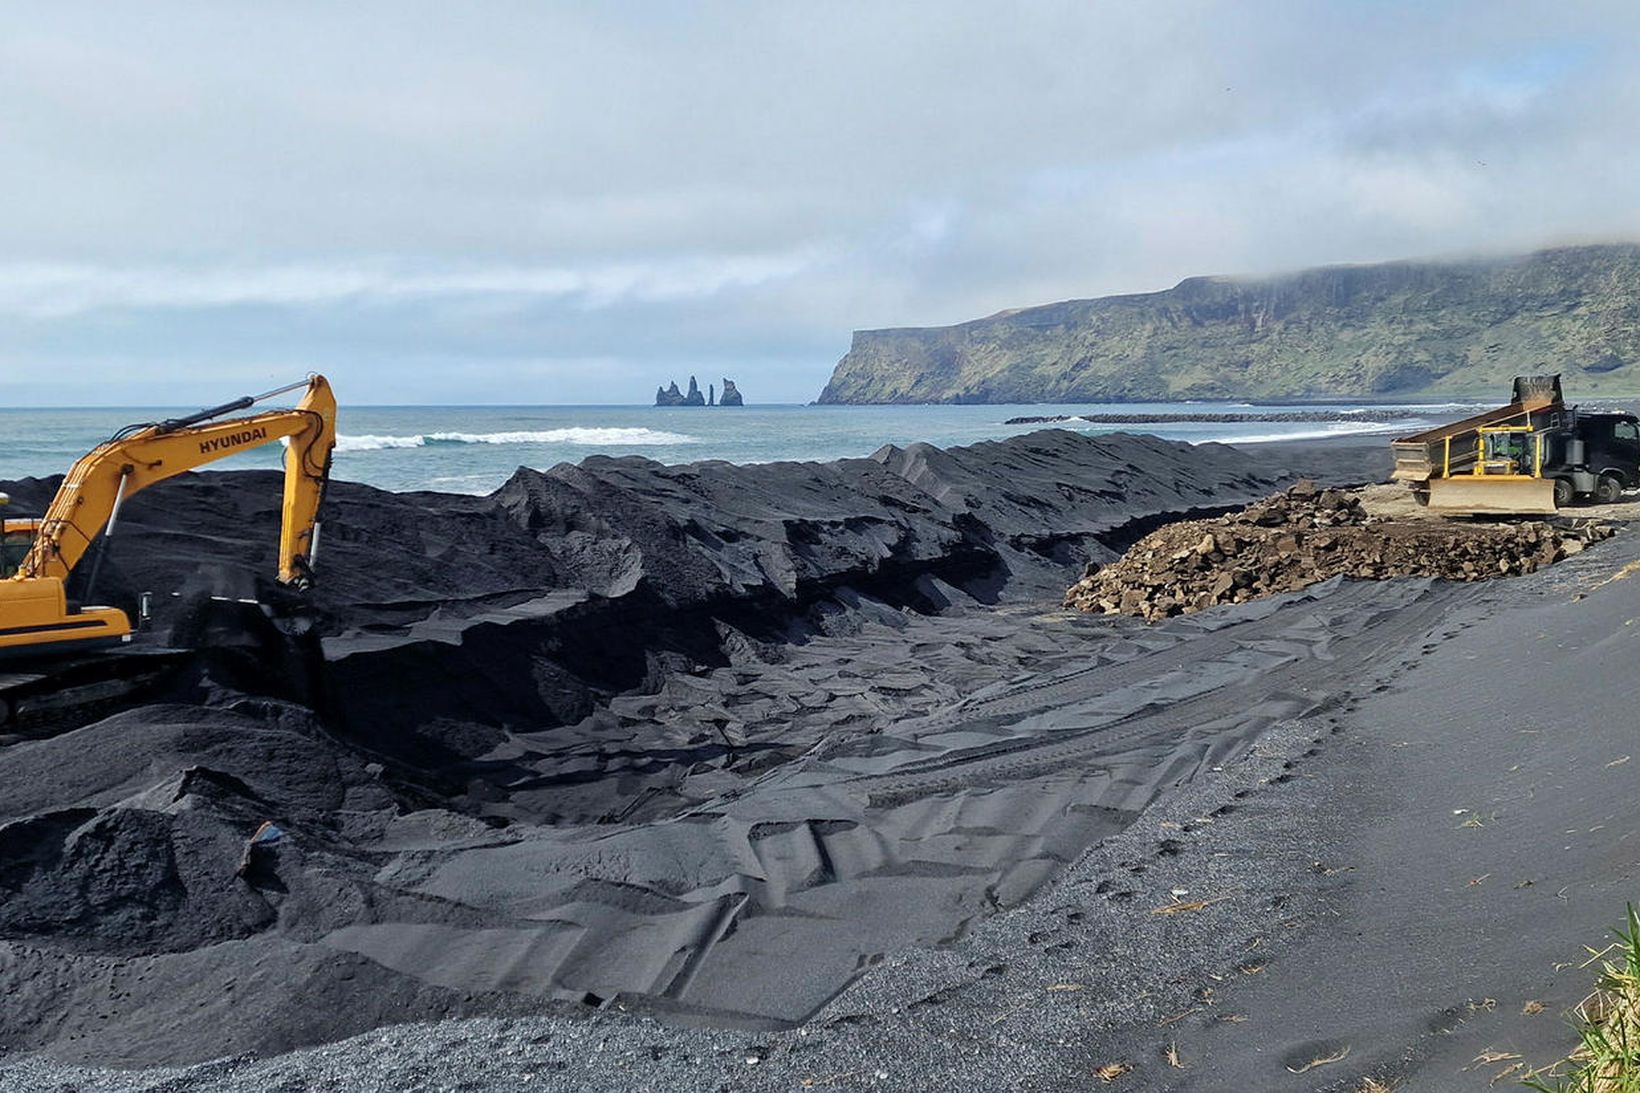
1458, 328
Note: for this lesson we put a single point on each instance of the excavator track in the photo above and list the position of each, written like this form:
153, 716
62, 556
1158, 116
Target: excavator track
39, 700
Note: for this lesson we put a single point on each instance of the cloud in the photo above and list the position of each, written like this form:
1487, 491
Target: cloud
65, 290
431, 199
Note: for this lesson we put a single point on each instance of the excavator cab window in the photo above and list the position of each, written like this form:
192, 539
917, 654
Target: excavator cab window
14, 547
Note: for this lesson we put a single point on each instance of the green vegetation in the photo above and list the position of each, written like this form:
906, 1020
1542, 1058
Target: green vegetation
1607, 1059
1401, 329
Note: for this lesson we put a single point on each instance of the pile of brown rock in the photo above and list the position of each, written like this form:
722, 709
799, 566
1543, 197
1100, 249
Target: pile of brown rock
1305, 535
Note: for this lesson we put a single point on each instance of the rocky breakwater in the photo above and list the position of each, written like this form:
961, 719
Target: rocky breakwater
1305, 535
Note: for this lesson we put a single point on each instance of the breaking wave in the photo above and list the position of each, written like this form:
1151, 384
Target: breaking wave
1337, 428
585, 437
1419, 407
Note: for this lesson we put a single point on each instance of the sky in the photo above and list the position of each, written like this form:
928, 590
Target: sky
572, 203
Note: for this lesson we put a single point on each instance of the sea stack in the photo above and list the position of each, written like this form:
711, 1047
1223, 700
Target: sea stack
671, 396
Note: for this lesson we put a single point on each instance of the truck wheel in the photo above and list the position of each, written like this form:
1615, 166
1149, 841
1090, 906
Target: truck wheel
1608, 490
1564, 493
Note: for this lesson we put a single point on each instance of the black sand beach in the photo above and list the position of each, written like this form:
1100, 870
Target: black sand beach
795, 775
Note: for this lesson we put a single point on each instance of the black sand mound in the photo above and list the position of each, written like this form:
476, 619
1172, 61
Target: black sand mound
1395, 882
705, 739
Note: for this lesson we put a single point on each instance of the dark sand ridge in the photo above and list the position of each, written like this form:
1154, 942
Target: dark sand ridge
1397, 869
771, 730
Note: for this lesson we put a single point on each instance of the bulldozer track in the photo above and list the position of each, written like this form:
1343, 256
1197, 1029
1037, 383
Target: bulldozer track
1305, 680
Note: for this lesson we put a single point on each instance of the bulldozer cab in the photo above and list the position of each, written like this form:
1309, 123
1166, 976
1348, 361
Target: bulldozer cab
1510, 450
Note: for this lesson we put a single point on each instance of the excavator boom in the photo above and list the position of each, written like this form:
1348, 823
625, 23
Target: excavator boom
35, 615
89, 500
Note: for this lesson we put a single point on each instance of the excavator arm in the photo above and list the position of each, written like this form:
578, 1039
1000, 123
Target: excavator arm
49, 637
89, 500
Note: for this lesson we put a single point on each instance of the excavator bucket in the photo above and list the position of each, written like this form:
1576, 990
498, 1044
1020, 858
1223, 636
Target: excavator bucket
1496, 496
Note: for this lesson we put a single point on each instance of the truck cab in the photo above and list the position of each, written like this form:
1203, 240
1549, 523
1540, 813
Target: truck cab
1590, 455
1611, 445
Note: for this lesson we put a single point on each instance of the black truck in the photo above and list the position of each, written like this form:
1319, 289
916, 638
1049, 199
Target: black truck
1592, 456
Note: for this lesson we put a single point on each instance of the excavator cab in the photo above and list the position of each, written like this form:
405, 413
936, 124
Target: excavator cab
16, 540
14, 547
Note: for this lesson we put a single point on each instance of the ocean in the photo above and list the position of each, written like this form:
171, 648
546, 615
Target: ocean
474, 449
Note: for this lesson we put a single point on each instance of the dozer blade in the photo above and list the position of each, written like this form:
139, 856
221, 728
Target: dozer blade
1464, 494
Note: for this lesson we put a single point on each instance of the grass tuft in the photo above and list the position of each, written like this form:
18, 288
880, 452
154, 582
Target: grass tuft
1607, 1059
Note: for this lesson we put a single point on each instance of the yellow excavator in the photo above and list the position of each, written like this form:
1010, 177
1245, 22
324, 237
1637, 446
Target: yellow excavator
37, 555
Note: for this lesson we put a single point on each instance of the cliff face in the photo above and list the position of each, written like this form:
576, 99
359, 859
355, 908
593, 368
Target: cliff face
1400, 328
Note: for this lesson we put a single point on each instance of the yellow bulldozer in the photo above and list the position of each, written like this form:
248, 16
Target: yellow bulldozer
42, 633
